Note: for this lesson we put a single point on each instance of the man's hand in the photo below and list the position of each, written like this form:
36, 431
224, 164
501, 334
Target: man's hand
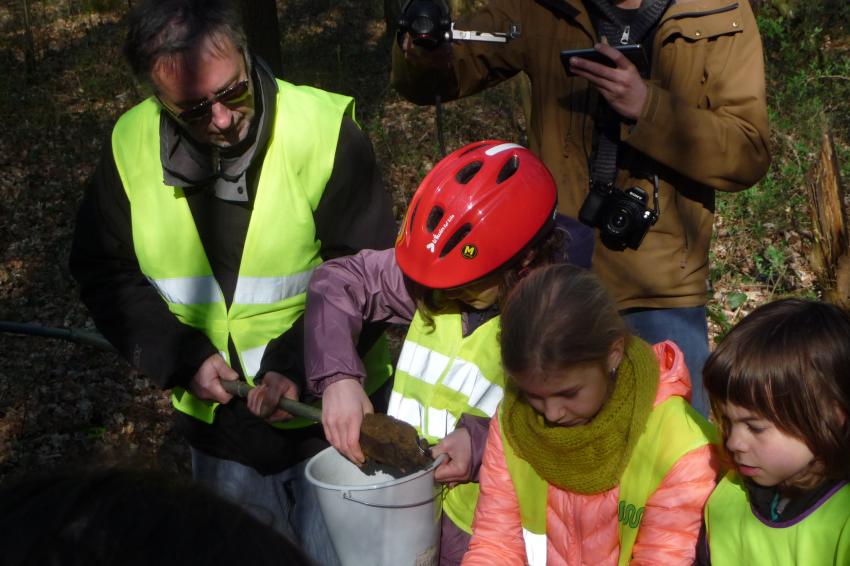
343, 405
206, 383
263, 399
622, 86
457, 445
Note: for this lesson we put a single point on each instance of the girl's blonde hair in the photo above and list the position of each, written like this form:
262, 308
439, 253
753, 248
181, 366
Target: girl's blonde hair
550, 246
789, 362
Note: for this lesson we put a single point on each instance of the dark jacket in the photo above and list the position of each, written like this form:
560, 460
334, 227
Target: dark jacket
354, 213
703, 126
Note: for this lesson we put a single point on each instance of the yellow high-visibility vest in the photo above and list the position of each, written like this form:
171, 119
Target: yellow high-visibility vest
820, 537
440, 376
673, 429
281, 249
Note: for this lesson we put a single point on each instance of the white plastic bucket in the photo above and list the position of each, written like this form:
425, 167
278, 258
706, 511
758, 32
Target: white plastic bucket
378, 520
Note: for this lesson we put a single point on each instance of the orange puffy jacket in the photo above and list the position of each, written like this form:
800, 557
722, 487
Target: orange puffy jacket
582, 529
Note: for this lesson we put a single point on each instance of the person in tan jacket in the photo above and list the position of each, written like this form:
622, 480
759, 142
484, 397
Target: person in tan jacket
697, 120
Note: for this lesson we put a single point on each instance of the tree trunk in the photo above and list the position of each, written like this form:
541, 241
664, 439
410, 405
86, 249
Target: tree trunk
29, 42
261, 27
831, 255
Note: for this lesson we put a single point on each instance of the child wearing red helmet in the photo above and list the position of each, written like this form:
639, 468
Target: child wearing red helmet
482, 218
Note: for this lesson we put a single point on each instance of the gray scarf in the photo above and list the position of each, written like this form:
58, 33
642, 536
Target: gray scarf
187, 163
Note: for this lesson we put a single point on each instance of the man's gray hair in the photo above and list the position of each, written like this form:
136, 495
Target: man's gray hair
174, 28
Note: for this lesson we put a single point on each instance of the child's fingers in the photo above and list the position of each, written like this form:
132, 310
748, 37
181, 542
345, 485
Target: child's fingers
450, 471
354, 448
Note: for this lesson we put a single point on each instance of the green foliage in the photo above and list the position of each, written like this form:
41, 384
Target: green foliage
807, 57
736, 300
95, 432
808, 67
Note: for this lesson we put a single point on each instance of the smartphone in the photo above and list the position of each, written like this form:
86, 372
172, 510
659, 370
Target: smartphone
633, 53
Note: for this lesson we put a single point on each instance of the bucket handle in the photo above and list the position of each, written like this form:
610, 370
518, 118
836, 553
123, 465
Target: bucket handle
440, 492
347, 495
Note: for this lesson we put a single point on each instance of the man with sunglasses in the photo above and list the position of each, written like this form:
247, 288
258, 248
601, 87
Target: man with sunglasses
214, 200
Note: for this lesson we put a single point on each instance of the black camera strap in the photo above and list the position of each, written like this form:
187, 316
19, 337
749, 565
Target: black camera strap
609, 23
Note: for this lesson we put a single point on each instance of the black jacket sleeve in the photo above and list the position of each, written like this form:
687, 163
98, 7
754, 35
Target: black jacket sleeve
126, 309
354, 213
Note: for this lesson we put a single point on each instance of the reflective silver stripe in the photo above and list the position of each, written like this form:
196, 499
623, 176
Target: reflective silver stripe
501, 147
439, 423
462, 376
251, 360
407, 410
270, 290
422, 363
535, 548
189, 290
466, 378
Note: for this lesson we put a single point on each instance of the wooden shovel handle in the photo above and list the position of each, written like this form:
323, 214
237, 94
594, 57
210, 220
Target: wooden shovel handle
241, 389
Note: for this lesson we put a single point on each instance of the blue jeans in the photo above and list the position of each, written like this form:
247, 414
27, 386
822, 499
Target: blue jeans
688, 328
285, 501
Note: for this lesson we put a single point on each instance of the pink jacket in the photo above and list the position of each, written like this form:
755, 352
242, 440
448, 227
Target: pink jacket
582, 529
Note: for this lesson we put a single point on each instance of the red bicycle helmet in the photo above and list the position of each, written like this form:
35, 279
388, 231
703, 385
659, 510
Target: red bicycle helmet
473, 213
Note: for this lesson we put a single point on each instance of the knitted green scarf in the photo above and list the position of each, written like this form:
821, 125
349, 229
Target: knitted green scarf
588, 458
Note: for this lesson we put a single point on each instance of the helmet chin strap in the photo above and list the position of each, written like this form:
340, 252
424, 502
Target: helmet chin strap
441, 139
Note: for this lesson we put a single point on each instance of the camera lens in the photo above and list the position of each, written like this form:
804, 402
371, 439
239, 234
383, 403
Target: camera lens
423, 25
618, 221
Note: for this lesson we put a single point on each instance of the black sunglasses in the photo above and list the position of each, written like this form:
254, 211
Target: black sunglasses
230, 96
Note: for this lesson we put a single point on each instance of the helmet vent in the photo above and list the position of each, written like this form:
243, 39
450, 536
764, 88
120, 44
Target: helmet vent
508, 169
456, 238
434, 218
472, 148
410, 224
466, 174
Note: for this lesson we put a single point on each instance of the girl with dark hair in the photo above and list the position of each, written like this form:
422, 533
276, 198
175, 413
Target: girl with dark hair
481, 219
779, 385
596, 456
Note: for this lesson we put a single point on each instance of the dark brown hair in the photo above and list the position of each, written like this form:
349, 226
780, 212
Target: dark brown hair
789, 362
170, 29
558, 316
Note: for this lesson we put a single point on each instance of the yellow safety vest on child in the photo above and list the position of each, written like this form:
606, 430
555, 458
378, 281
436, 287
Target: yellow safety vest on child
670, 434
736, 536
439, 377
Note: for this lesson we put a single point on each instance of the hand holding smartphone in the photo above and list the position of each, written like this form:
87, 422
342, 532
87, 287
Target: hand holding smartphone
633, 53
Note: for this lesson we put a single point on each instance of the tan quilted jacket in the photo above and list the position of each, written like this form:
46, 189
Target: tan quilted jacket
703, 127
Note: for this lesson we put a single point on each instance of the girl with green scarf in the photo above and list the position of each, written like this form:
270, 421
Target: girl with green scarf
596, 456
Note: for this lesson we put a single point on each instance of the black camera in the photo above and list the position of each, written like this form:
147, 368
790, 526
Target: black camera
622, 217
427, 21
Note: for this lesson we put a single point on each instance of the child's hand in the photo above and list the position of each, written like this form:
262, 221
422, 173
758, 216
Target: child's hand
343, 405
263, 399
457, 445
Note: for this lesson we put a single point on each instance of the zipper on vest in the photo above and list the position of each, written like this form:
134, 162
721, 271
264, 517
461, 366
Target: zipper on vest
216, 160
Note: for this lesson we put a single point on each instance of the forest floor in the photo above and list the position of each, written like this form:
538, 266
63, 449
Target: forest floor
67, 404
